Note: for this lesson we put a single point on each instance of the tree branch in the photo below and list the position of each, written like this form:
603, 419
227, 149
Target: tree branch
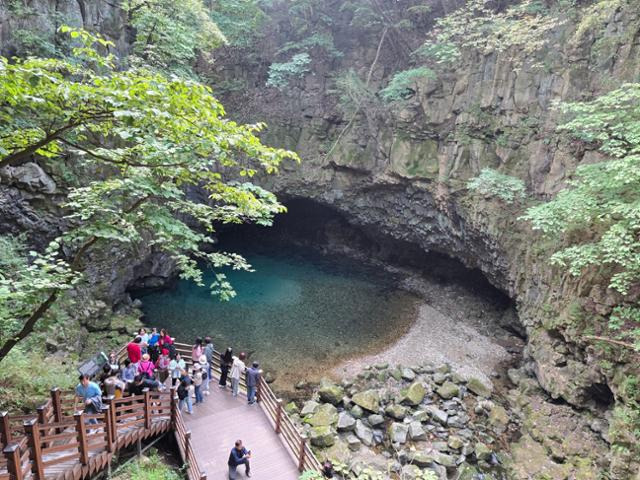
610, 340
33, 319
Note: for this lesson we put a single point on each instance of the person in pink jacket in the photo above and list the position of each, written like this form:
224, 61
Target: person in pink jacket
196, 350
146, 367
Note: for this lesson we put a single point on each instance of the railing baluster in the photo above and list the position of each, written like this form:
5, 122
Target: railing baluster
114, 423
81, 430
106, 412
14, 465
147, 409
32, 428
278, 415
302, 453
56, 404
5, 429
174, 406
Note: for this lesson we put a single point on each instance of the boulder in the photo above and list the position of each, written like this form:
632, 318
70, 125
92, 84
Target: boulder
291, 408
369, 400
375, 419
422, 459
398, 432
364, 433
420, 415
445, 460
467, 472
408, 374
437, 415
330, 392
444, 368
396, 411
396, 374
479, 388
345, 422
414, 394
381, 366
498, 419
411, 472
448, 390
338, 452
325, 415
455, 442
482, 451
356, 411
439, 378
353, 442
309, 407
416, 432
322, 436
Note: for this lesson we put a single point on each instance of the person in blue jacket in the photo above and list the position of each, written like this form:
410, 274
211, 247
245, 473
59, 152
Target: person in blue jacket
91, 396
239, 456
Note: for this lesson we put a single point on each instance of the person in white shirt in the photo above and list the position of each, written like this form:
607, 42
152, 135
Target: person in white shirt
237, 369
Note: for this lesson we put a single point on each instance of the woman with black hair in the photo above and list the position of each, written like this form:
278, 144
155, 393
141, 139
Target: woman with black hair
226, 359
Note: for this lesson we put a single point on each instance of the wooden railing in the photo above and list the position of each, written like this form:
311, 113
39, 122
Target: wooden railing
56, 442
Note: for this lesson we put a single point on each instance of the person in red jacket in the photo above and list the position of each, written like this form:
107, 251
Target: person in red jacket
134, 351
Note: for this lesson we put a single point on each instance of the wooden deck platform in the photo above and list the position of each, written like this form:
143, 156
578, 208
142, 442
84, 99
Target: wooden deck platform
221, 420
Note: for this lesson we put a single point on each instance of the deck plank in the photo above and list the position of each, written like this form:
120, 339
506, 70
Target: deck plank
221, 420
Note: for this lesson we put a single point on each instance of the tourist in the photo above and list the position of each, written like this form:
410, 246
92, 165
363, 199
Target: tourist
197, 382
162, 366
237, 369
91, 396
152, 345
239, 456
209, 350
327, 469
129, 372
134, 351
144, 339
146, 367
253, 379
184, 398
141, 382
113, 362
196, 350
176, 365
112, 385
166, 341
225, 364
204, 366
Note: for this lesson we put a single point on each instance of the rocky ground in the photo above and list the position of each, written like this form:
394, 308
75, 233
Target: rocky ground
429, 421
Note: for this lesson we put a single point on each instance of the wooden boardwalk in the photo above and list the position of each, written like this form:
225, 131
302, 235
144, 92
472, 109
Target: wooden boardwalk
221, 420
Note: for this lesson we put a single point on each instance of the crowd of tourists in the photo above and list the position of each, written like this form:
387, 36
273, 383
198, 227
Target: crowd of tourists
154, 363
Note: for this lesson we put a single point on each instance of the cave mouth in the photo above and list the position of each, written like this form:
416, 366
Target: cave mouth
311, 225
324, 292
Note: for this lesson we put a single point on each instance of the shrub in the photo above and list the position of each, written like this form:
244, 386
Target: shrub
280, 74
400, 86
492, 183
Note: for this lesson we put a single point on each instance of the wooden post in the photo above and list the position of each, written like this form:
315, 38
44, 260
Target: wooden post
5, 429
81, 430
187, 444
302, 453
56, 404
174, 406
14, 466
114, 423
32, 428
147, 409
259, 390
106, 412
278, 415
42, 414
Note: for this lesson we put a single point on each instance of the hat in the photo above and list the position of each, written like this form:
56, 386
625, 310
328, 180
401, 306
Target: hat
196, 366
145, 356
202, 360
165, 351
256, 364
